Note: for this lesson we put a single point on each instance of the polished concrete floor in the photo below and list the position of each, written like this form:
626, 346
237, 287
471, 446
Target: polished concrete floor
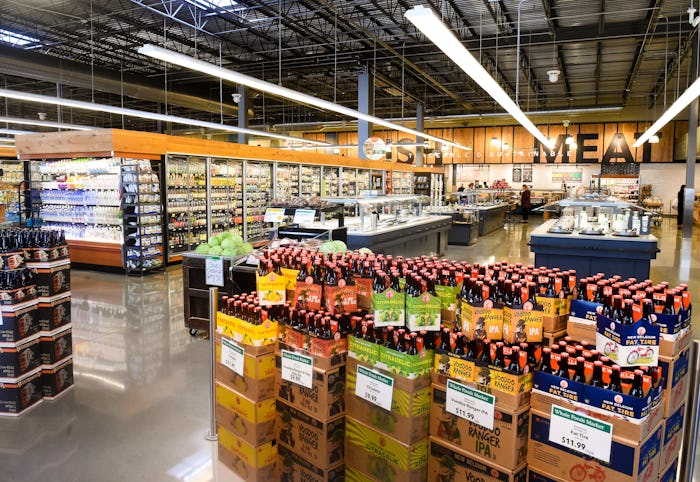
139, 408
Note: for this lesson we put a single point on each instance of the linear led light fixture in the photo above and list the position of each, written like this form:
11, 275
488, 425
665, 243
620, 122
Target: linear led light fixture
41, 123
242, 79
389, 145
681, 103
432, 27
15, 132
78, 104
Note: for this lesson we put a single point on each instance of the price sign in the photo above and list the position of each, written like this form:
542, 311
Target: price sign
232, 356
470, 404
581, 433
304, 216
214, 271
374, 387
274, 215
297, 368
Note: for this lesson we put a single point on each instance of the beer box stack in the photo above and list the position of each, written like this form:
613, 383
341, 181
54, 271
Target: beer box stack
634, 426
555, 318
310, 424
52, 271
493, 448
20, 350
245, 410
387, 419
674, 360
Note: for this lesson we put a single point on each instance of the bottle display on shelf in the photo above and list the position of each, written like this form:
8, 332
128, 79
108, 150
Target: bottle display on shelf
287, 184
310, 181
186, 203
225, 194
12, 176
82, 197
330, 186
258, 190
421, 183
398, 182
142, 211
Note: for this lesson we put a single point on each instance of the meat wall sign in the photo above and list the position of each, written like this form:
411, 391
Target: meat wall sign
618, 150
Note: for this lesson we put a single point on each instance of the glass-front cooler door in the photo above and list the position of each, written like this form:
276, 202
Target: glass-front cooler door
257, 195
310, 181
186, 196
330, 184
225, 194
362, 180
287, 182
348, 182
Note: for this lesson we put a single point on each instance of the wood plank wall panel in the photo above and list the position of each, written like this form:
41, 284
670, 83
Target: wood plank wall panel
663, 151
507, 136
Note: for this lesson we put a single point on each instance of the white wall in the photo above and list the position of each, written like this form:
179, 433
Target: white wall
541, 174
665, 179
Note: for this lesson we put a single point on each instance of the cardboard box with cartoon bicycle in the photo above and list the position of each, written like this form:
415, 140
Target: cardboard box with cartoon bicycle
628, 345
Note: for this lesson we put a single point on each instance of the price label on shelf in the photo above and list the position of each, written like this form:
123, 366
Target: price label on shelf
374, 387
232, 356
580, 433
214, 271
304, 216
297, 368
470, 404
274, 215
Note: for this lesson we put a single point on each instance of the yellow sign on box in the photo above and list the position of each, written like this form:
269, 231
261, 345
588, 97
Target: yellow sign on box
272, 289
245, 332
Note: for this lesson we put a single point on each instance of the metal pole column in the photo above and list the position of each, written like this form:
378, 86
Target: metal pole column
420, 114
213, 308
689, 201
692, 416
365, 103
242, 113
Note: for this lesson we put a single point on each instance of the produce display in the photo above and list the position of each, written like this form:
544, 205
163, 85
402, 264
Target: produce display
228, 243
313, 202
433, 369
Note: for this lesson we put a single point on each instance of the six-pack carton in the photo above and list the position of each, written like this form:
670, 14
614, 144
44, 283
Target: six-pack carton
447, 462
252, 463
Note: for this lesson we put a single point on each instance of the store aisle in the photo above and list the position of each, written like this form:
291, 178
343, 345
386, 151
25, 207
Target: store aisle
138, 411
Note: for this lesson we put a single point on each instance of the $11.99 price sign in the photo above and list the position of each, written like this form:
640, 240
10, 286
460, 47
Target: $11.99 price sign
581, 433
374, 387
470, 404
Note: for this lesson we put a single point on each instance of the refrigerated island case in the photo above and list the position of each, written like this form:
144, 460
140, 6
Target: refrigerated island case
603, 244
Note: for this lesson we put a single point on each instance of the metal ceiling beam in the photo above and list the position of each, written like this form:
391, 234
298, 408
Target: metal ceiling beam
550, 15
652, 18
33, 65
686, 48
353, 26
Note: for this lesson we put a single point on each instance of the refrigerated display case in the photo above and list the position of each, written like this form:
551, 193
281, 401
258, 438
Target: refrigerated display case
10, 193
225, 195
310, 181
348, 181
287, 181
257, 195
363, 177
330, 185
398, 182
186, 209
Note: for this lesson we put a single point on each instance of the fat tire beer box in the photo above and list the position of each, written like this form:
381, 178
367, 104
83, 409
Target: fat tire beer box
57, 378
52, 278
56, 345
54, 311
18, 394
16, 359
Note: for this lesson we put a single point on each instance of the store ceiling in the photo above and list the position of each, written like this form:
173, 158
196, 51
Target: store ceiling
628, 53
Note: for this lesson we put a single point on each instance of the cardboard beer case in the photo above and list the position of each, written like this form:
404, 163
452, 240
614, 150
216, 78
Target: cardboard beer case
257, 339
19, 321
408, 419
294, 468
378, 356
504, 445
55, 345
549, 339
672, 436
447, 462
19, 394
675, 379
504, 400
57, 378
52, 278
318, 441
629, 461
251, 420
258, 379
54, 311
16, 359
380, 457
628, 345
252, 463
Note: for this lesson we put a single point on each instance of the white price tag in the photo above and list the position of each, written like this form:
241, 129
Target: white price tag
374, 387
470, 404
274, 215
214, 271
232, 356
581, 433
297, 368
304, 216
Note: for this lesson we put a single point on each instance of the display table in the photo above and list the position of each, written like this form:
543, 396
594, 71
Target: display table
196, 291
463, 232
628, 257
416, 237
492, 218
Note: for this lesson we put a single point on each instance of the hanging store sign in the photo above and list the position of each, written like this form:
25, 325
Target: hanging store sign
374, 148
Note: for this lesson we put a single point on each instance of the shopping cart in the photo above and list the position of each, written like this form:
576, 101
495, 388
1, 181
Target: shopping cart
511, 218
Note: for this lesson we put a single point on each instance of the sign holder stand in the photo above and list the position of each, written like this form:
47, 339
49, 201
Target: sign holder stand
211, 435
